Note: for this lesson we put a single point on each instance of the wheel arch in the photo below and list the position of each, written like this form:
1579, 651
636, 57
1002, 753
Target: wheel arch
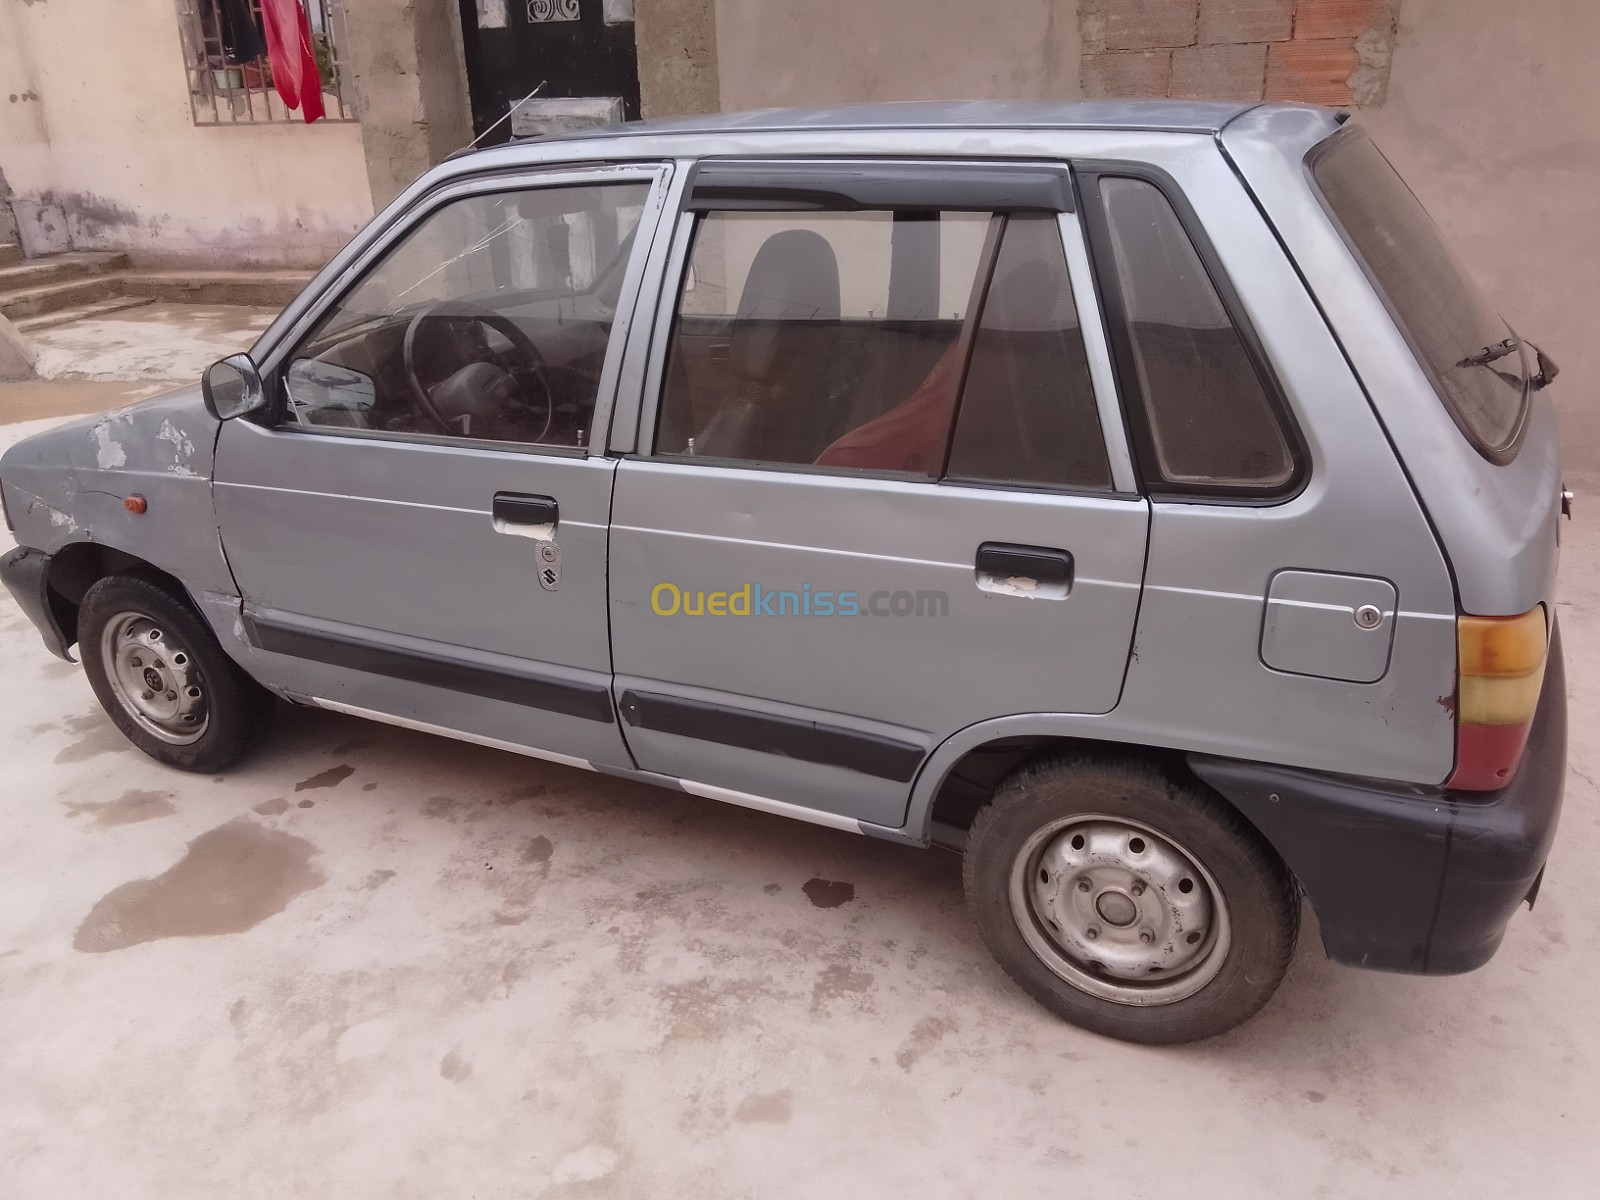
78, 566
956, 779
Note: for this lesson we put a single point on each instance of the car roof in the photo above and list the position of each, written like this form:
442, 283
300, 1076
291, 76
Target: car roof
1167, 116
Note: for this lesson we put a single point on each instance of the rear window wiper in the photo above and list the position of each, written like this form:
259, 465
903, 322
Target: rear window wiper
1492, 353
1547, 369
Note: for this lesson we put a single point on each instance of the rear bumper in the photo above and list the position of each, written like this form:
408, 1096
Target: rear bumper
25, 573
1410, 878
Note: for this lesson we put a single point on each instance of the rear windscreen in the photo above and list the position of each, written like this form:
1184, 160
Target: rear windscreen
1479, 367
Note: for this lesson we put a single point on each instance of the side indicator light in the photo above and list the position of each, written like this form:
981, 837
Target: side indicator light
135, 504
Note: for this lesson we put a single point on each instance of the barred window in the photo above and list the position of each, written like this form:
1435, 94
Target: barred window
230, 70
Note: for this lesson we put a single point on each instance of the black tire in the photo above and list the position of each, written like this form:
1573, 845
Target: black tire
237, 710
1259, 896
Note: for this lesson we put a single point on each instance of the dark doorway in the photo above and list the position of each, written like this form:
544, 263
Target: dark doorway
512, 46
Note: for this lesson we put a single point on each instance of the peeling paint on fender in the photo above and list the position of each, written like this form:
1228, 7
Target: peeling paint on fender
109, 453
183, 448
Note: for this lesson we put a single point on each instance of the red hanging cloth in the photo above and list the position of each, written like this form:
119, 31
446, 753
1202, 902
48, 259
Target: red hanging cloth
294, 64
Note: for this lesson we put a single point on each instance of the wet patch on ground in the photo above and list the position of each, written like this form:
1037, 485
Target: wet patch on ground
773, 1109
925, 1034
839, 981
441, 808
454, 1067
94, 735
134, 805
229, 880
828, 893
271, 808
332, 777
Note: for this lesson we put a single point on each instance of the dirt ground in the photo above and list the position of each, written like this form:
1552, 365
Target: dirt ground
372, 963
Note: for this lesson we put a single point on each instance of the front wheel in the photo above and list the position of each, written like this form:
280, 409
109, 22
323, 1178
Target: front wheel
1128, 903
164, 680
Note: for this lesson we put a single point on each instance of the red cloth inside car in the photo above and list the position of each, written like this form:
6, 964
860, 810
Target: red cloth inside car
911, 435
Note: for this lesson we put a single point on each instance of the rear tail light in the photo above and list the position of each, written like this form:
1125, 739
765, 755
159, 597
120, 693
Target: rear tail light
1501, 661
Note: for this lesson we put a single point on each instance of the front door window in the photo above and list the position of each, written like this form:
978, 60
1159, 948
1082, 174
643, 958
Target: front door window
489, 321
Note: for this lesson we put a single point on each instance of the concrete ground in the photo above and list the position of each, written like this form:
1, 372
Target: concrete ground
372, 963
152, 343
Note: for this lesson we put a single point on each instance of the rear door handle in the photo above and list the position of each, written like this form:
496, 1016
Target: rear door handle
1009, 569
529, 516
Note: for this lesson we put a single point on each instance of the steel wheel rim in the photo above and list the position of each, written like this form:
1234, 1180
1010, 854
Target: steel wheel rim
155, 678
1102, 902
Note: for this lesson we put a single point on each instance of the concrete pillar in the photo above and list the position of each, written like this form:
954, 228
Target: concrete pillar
25, 162
411, 88
16, 356
677, 48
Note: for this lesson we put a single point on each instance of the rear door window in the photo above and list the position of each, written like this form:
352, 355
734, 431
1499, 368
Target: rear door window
1027, 414
1477, 364
912, 342
821, 338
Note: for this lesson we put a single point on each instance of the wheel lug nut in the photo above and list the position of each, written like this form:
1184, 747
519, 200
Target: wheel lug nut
172, 695
1083, 885
1146, 936
149, 695
1092, 932
1137, 889
136, 661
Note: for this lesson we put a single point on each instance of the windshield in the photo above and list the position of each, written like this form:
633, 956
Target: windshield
1478, 365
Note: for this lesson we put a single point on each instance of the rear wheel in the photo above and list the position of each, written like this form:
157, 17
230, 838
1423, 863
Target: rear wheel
164, 680
1129, 903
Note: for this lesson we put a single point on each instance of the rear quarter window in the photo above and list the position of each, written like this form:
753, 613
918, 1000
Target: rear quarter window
1462, 343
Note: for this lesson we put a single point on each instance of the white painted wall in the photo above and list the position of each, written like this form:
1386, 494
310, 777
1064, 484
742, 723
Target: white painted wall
24, 149
109, 157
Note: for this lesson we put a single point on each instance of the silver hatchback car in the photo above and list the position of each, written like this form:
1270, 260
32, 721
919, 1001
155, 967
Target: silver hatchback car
1135, 497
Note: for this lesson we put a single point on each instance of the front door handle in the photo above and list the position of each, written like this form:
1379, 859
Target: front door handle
528, 516
1012, 570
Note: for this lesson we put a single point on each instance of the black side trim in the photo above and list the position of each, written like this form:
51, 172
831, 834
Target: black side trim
870, 754
845, 186
1406, 877
26, 573
588, 701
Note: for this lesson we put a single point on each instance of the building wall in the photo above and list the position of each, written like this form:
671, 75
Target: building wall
407, 66
780, 52
1316, 51
123, 165
24, 148
677, 45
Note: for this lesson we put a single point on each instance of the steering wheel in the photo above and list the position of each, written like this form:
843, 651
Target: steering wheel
531, 369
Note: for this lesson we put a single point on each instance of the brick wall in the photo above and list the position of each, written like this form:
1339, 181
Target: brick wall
1318, 51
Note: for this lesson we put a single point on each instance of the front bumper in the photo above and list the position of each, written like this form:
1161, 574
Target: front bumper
26, 572
1411, 878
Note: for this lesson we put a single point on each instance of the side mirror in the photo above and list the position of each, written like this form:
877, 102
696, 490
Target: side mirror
232, 387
